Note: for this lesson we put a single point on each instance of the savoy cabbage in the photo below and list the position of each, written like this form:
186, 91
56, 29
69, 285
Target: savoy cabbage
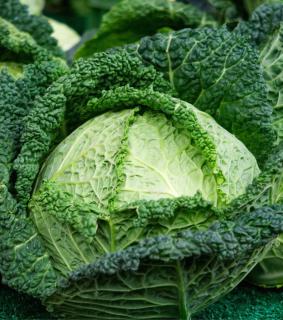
134, 206
136, 183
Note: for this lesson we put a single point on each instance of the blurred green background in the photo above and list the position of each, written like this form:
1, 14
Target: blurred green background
81, 15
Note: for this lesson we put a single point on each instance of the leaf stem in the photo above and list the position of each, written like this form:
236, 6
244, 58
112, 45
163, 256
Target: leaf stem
183, 306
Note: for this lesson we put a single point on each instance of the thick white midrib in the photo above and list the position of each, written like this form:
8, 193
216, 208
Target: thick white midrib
264, 55
274, 62
278, 76
223, 72
101, 244
192, 280
170, 70
71, 148
96, 193
32, 266
16, 247
146, 191
76, 246
182, 294
279, 194
278, 105
187, 55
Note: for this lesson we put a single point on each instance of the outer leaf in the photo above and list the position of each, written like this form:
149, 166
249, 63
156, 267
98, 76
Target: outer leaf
272, 61
264, 20
167, 277
215, 70
268, 190
268, 272
24, 263
130, 20
266, 31
36, 70
251, 5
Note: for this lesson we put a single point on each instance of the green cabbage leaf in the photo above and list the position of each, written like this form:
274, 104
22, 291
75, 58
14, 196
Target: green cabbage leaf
130, 20
265, 29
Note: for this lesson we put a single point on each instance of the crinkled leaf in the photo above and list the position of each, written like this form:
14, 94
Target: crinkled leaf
262, 23
215, 70
37, 26
267, 189
168, 277
35, 70
271, 58
87, 78
265, 29
24, 262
